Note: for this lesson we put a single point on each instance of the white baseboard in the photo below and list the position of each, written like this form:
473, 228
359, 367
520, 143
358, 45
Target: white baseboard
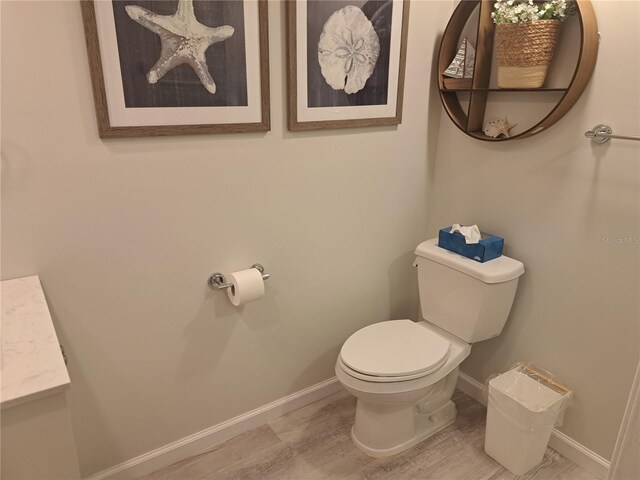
200, 441
560, 442
472, 387
579, 454
205, 439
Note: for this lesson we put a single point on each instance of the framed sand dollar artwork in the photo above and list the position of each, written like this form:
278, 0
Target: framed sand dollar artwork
346, 62
178, 67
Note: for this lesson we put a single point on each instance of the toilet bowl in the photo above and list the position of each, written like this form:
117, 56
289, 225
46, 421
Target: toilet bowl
403, 374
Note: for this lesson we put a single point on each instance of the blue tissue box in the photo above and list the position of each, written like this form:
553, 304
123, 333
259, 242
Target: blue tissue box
488, 248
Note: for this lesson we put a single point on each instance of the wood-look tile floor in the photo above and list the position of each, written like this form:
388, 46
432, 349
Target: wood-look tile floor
313, 443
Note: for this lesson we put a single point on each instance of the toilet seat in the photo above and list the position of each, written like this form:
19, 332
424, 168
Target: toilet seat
394, 351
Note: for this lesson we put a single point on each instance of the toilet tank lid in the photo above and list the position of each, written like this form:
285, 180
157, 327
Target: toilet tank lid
498, 270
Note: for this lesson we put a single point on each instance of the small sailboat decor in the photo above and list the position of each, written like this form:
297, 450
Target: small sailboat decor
462, 64
459, 74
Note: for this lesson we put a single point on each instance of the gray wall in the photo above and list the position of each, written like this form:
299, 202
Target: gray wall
124, 234
565, 208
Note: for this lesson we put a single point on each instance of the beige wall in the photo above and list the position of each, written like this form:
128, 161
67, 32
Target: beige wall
557, 200
124, 234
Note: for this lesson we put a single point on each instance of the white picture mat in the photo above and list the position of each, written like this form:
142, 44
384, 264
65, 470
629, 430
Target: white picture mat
306, 114
121, 116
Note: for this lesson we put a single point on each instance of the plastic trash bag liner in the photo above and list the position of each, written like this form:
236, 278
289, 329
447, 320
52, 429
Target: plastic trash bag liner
529, 397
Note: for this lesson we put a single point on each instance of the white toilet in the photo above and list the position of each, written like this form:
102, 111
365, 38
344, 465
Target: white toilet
403, 373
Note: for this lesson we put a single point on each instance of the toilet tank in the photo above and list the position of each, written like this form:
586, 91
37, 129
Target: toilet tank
468, 299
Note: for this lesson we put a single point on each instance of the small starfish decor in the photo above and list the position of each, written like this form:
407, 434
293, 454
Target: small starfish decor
184, 40
498, 126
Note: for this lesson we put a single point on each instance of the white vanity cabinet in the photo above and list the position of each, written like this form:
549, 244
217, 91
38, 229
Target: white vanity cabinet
37, 438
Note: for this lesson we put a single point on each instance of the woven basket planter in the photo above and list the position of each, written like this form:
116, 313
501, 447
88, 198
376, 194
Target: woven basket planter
524, 52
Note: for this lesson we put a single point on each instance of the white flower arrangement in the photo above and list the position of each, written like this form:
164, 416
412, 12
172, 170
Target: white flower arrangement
522, 11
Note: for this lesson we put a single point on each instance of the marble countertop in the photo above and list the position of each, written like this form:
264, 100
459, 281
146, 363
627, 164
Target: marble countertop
32, 363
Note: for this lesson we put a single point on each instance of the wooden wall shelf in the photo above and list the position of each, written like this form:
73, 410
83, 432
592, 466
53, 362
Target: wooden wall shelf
445, 90
471, 119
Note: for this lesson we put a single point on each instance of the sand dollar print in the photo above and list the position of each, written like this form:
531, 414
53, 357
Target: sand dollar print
348, 49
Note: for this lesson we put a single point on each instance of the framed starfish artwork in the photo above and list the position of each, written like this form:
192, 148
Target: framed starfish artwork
346, 62
178, 67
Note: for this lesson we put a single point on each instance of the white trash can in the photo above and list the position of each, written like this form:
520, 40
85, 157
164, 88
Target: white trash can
524, 405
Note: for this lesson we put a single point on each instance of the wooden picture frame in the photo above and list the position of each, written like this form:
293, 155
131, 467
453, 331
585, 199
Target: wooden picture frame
319, 75
135, 95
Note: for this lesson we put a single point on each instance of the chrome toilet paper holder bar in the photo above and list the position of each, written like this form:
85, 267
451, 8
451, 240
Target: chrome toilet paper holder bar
217, 282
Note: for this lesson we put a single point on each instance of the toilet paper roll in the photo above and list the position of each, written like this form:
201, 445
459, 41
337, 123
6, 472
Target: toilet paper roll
246, 286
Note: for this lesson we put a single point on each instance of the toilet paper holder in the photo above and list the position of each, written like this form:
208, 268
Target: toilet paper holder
217, 282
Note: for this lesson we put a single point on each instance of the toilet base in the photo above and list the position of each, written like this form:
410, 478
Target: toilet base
426, 425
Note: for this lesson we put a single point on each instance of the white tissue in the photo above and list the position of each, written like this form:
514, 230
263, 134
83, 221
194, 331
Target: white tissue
471, 234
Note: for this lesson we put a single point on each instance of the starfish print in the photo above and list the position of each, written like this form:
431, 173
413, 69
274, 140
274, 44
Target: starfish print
184, 40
